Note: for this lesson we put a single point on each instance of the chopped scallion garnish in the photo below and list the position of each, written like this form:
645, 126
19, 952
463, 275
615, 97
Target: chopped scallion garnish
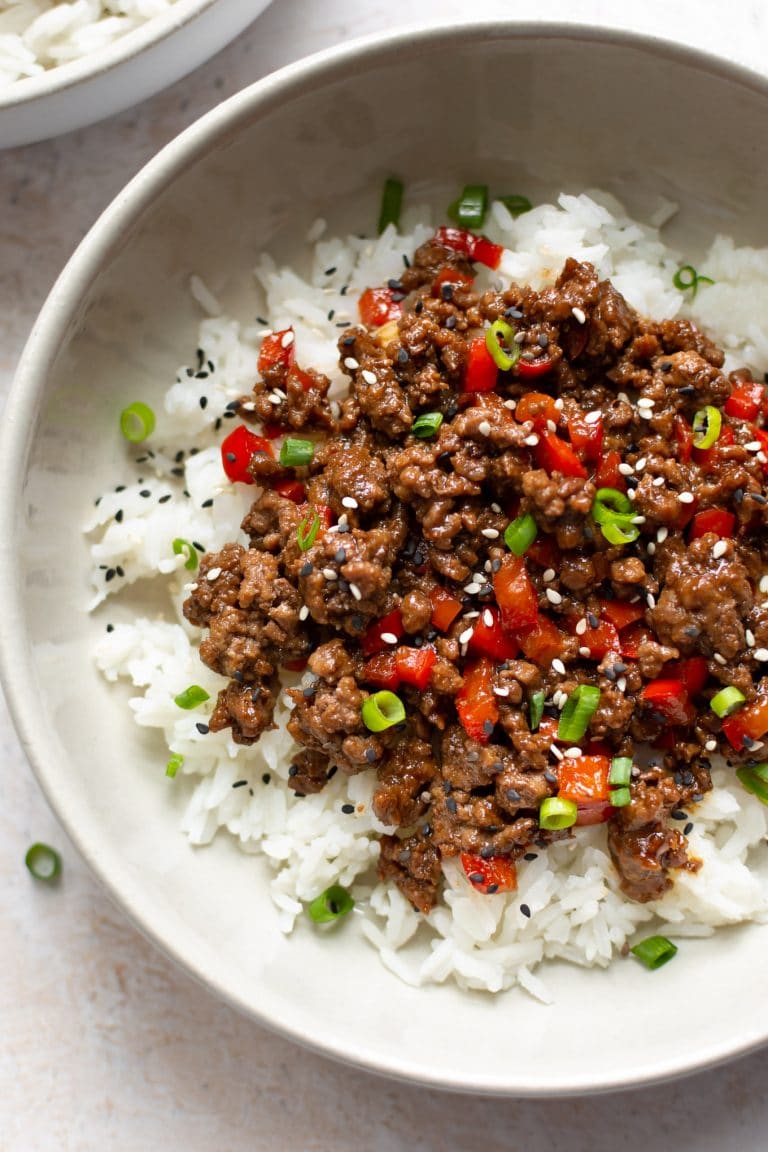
654, 951
500, 342
754, 778
706, 426
520, 534
726, 701
536, 710
382, 710
556, 812
330, 905
391, 204
174, 763
470, 208
43, 862
687, 277
579, 709
296, 453
620, 797
621, 770
426, 425
613, 511
516, 205
307, 530
191, 697
137, 422
184, 548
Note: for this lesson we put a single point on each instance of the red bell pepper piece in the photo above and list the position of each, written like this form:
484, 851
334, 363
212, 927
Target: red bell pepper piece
484, 251
414, 665
715, 520
597, 813
600, 641
491, 639
607, 474
538, 408
381, 671
376, 307
693, 672
670, 699
532, 369
297, 375
237, 451
477, 248
750, 723
584, 779
515, 595
707, 457
291, 490
445, 608
481, 372
496, 874
683, 434
542, 642
274, 431
544, 551
451, 276
586, 437
476, 704
372, 642
554, 455
273, 353
295, 665
621, 613
633, 637
745, 401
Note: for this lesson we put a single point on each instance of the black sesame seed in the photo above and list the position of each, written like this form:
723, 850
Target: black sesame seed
513, 314
513, 796
202, 376
688, 829
550, 777
488, 727
370, 755
451, 805
341, 556
119, 516
447, 787
217, 424
450, 323
207, 504
239, 783
543, 341
97, 501
293, 770
145, 492
418, 307
305, 569
202, 729
531, 856
237, 675
347, 809
348, 341
165, 499
619, 668
120, 488
110, 574
141, 459
476, 877
592, 620
255, 695
446, 291
177, 472
331, 314
110, 627
758, 497
199, 547
525, 911
610, 675
343, 324
330, 271
678, 814
343, 290
119, 570
402, 356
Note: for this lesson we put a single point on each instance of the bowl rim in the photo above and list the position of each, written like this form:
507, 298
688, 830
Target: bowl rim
54, 81
38, 355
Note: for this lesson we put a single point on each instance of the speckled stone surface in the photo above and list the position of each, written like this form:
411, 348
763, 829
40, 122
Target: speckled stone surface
103, 1044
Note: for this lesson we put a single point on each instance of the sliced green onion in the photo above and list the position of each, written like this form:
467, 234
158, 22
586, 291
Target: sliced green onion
755, 779
391, 204
173, 765
620, 797
557, 813
184, 548
426, 425
191, 697
687, 277
726, 701
307, 530
620, 531
137, 422
43, 862
654, 951
520, 534
706, 426
296, 453
516, 205
470, 208
579, 709
330, 905
500, 342
609, 504
621, 770
536, 710
382, 710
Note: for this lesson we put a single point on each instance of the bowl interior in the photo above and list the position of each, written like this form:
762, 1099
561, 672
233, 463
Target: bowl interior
526, 110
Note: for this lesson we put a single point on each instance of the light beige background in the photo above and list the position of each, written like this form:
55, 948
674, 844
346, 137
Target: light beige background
104, 1045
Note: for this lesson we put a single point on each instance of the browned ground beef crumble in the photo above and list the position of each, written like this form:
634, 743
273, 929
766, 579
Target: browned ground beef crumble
409, 514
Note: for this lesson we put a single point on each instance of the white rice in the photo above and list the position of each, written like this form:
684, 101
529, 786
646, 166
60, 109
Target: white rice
484, 942
36, 35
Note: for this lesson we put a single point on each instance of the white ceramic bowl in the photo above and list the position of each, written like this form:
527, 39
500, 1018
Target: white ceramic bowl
129, 70
528, 107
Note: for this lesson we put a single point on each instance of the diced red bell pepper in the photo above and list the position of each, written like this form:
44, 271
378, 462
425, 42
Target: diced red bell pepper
600, 641
291, 489
295, 665
586, 437
477, 707
532, 369
632, 638
667, 740
477, 248
670, 699
716, 520
706, 458
693, 672
486, 252
750, 723
237, 451
376, 307
554, 455
381, 671
745, 401
683, 434
621, 613
481, 372
445, 608
584, 779
597, 813
515, 595
273, 352
414, 665
372, 642
496, 874
275, 431
491, 639
538, 408
451, 276
544, 552
297, 375
548, 728
541, 643
607, 473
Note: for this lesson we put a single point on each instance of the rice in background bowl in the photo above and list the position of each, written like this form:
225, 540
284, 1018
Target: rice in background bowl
333, 129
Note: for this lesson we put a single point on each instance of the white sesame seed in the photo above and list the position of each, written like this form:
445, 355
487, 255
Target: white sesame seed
303, 612
621, 684
351, 363
501, 691
686, 497
349, 502
761, 458
389, 637
646, 402
531, 440
279, 392
558, 666
273, 399
487, 567
658, 481
288, 338
355, 591
556, 751
640, 464
761, 654
593, 416
191, 587
549, 574
213, 573
248, 406
559, 698
551, 426
710, 746
369, 377
756, 745
645, 413
585, 652
650, 600
466, 636
495, 507
579, 314
719, 659
510, 404
632, 494
662, 534
763, 585
489, 533
651, 548
484, 428
470, 616
638, 519
572, 753
753, 446
559, 403
720, 549
626, 469
623, 397
331, 575
581, 627
749, 636
519, 337
343, 519
472, 588
488, 618
554, 597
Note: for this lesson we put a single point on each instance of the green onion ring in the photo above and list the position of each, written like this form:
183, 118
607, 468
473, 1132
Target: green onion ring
520, 534
184, 548
654, 951
726, 701
43, 862
426, 425
516, 205
296, 453
579, 709
621, 770
330, 905
620, 797
191, 697
706, 426
500, 342
620, 531
754, 778
609, 505
382, 710
687, 277
557, 813
470, 208
307, 530
174, 763
535, 710
391, 204
137, 422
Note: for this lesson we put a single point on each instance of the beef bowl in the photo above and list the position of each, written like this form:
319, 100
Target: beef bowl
365, 311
